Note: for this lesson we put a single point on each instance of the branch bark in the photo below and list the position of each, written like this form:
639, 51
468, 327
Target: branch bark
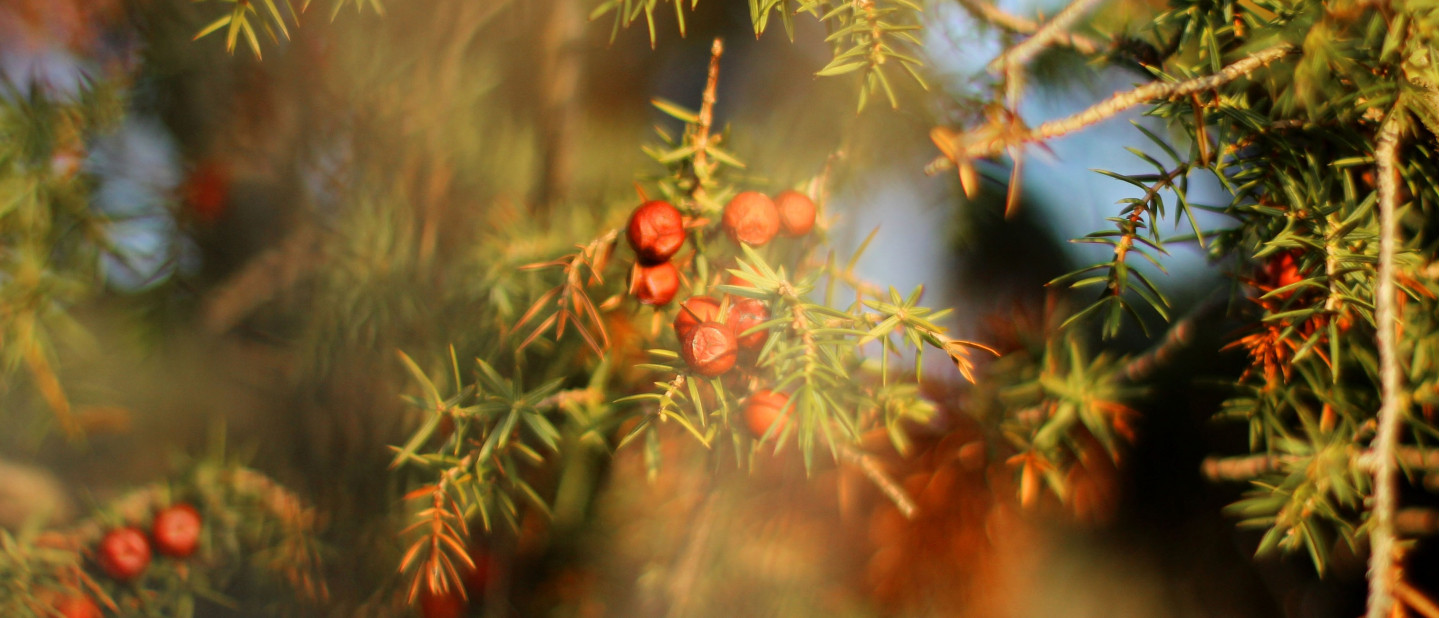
887, 485
1044, 35
1382, 531
991, 143
1021, 25
1252, 466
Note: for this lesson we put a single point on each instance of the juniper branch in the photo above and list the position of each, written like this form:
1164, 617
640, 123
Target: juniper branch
1251, 466
1382, 531
1020, 25
706, 116
887, 485
1118, 102
1041, 36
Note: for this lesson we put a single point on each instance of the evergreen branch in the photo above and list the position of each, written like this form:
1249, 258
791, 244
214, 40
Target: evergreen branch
1251, 466
706, 116
1020, 25
887, 485
687, 571
1416, 522
1180, 335
1415, 599
1382, 531
967, 146
263, 278
1043, 35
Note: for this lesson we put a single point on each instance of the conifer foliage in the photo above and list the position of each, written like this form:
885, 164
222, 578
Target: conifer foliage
532, 330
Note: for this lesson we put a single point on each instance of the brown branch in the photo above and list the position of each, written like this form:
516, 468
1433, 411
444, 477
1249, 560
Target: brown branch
263, 278
1180, 335
707, 116
991, 143
887, 485
1415, 599
1416, 522
1054, 30
687, 570
1252, 466
1382, 532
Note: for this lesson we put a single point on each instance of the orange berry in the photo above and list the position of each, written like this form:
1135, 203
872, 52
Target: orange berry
709, 349
693, 311
656, 231
745, 314
78, 607
654, 284
123, 554
177, 531
763, 409
751, 218
797, 212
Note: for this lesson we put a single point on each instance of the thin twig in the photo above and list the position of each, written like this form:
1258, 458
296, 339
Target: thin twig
1020, 25
1053, 30
993, 143
707, 116
1382, 532
687, 570
1416, 522
263, 278
1180, 335
887, 485
1416, 600
1252, 466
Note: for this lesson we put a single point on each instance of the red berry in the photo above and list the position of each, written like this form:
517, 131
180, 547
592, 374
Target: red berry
77, 607
177, 531
693, 311
207, 191
449, 604
124, 553
709, 349
751, 218
797, 212
763, 409
654, 284
745, 314
656, 231
1283, 270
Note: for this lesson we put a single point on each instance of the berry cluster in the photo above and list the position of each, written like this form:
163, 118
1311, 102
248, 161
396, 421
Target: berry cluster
716, 335
124, 553
656, 232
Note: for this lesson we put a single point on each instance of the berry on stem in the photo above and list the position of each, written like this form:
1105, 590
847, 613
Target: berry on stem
745, 314
693, 311
177, 531
656, 231
797, 212
654, 284
709, 349
448, 604
751, 218
79, 606
124, 553
762, 410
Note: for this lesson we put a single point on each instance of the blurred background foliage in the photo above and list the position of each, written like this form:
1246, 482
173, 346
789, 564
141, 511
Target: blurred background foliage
194, 237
